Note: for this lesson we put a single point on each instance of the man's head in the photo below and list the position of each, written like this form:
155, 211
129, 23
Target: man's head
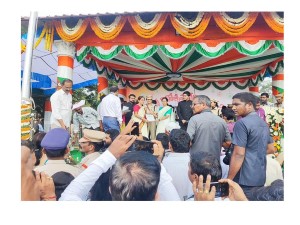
66, 85
179, 141
92, 141
279, 98
204, 163
132, 98
264, 98
164, 139
114, 90
186, 95
200, 102
55, 143
111, 134
135, 177
243, 103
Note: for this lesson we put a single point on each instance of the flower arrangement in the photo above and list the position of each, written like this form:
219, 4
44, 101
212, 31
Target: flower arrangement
275, 119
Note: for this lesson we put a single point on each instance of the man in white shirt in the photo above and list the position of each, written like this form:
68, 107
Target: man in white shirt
61, 104
87, 117
111, 111
177, 162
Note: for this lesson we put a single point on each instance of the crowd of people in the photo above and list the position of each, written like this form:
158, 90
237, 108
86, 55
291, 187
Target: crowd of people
183, 160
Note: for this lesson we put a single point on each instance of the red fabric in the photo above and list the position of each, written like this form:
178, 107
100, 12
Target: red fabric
136, 108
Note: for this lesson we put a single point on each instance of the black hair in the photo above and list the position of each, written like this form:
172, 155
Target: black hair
265, 94
135, 177
228, 113
113, 133
61, 181
246, 97
180, 140
274, 192
37, 139
131, 95
204, 163
55, 153
100, 190
113, 89
187, 93
97, 145
164, 98
164, 138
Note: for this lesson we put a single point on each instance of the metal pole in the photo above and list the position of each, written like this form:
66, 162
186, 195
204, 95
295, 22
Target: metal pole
28, 56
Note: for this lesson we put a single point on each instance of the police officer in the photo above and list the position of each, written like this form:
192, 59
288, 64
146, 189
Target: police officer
55, 146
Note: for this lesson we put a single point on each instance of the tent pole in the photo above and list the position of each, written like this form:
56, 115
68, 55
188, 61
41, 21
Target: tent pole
28, 56
26, 100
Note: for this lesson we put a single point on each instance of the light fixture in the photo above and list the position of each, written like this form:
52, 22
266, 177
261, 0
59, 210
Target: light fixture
173, 75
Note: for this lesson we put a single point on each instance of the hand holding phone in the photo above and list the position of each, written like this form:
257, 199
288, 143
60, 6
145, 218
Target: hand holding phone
222, 189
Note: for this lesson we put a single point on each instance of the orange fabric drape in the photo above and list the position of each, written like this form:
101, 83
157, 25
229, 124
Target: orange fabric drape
273, 24
70, 37
235, 29
151, 32
191, 33
105, 35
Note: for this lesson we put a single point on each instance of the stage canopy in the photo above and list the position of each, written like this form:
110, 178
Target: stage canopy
170, 49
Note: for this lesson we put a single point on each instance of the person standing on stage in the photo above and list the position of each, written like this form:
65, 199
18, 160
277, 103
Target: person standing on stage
61, 105
184, 110
111, 111
130, 105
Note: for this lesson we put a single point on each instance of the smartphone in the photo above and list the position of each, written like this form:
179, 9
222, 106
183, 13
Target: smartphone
135, 131
222, 189
139, 145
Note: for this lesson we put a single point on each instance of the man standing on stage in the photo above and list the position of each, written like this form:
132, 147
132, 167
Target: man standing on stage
61, 104
184, 110
130, 105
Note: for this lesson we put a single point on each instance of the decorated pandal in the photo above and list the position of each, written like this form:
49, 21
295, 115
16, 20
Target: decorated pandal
201, 50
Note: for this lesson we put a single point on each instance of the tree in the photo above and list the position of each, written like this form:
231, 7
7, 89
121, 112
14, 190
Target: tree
89, 94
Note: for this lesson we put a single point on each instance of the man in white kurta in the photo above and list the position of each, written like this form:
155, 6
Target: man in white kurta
61, 105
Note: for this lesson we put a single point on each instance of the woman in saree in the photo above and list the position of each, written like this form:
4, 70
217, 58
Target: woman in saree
138, 115
164, 116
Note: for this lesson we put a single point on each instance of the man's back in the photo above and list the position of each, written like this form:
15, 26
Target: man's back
177, 165
208, 132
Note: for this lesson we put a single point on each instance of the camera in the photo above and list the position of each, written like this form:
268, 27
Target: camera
228, 153
222, 189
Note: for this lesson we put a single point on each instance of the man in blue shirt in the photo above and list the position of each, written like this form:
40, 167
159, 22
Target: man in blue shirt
251, 137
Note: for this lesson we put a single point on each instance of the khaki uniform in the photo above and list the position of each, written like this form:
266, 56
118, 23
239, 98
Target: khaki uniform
88, 159
54, 166
151, 125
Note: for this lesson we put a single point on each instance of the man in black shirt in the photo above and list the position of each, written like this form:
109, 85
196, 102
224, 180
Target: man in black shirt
184, 110
130, 105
